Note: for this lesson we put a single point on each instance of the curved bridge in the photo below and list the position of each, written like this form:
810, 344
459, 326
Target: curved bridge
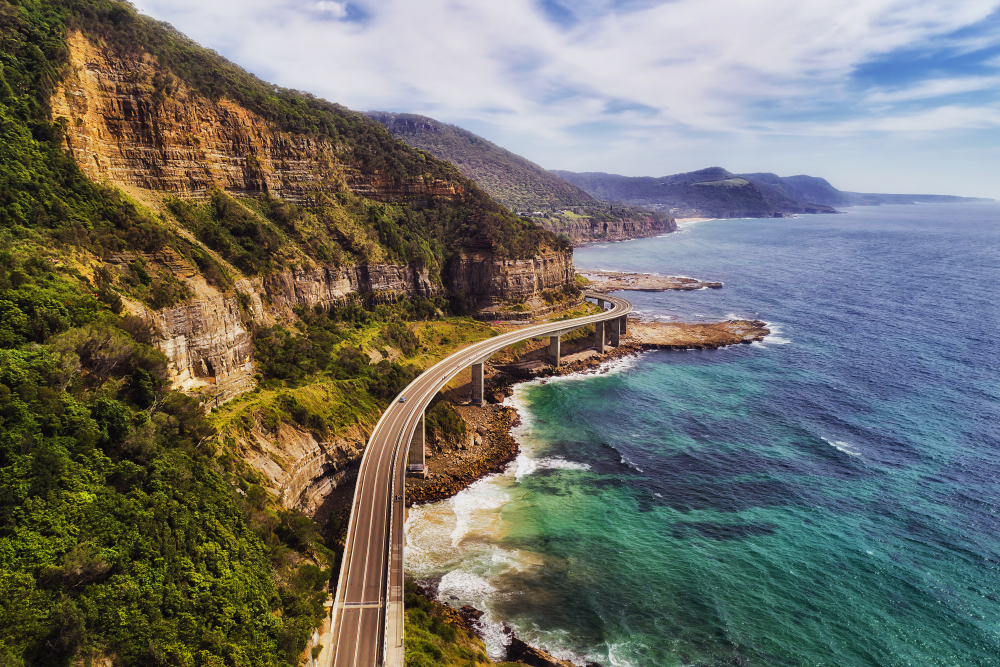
367, 616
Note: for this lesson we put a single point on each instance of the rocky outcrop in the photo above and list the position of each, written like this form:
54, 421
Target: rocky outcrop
302, 470
327, 285
615, 281
130, 121
206, 343
486, 449
518, 651
588, 230
486, 279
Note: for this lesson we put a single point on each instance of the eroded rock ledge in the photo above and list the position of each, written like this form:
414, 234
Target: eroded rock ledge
614, 281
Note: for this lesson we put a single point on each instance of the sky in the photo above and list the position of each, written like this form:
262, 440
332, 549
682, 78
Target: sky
895, 96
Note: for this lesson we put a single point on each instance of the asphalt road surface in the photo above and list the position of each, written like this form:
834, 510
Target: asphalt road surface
368, 610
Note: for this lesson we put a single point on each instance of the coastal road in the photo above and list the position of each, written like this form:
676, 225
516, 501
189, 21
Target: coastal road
367, 615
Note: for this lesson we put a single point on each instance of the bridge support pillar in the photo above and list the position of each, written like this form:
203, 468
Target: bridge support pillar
624, 324
600, 304
555, 349
599, 337
614, 336
416, 459
477, 383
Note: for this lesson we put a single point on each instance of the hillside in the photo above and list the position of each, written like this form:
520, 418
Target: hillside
713, 192
717, 193
515, 182
177, 235
523, 186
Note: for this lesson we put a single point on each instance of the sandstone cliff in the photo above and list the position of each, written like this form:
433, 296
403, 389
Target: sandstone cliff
587, 230
131, 122
487, 279
326, 286
300, 469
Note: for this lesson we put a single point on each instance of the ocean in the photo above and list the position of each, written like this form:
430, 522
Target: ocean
828, 496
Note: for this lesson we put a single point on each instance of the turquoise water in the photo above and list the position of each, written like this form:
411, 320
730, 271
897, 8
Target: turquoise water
826, 497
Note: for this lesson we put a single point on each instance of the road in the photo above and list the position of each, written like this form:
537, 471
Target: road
367, 623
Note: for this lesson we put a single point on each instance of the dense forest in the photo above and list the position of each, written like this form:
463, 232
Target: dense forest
121, 533
128, 532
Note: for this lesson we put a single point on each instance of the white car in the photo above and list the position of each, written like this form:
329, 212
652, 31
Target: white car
402, 399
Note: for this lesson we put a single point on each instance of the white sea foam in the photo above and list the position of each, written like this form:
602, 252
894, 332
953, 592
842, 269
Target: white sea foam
471, 504
615, 657
683, 224
525, 465
625, 461
458, 542
654, 316
845, 447
518, 402
775, 337
493, 635
469, 588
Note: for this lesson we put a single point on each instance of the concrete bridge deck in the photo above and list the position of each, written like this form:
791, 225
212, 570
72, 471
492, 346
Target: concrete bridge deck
367, 614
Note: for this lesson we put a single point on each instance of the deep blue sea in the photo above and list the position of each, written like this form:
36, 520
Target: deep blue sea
826, 497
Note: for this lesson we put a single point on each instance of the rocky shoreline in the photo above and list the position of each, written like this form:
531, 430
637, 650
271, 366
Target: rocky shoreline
518, 651
615, 281
489, 446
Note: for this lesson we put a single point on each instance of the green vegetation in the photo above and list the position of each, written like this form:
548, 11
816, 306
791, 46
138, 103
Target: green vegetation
518, 184
443, 419
120, 532
515, 182
319, 376
329, 343
425, 234
125, 533
434, 641
44, 196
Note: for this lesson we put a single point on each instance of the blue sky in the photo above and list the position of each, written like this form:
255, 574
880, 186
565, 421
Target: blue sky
874, 95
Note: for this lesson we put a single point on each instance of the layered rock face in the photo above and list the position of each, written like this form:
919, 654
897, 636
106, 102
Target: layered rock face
301, 470
206, 343
584, 231
488, 279
132, 123
327, 286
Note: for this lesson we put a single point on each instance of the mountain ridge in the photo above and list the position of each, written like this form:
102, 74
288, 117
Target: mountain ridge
513, 181
718, 193
523, 186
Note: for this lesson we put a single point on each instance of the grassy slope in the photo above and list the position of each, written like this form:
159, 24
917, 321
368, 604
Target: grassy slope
515, 182
330, 397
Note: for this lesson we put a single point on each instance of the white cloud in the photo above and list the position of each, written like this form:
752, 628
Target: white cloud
701, 70
935, 88
334, 9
